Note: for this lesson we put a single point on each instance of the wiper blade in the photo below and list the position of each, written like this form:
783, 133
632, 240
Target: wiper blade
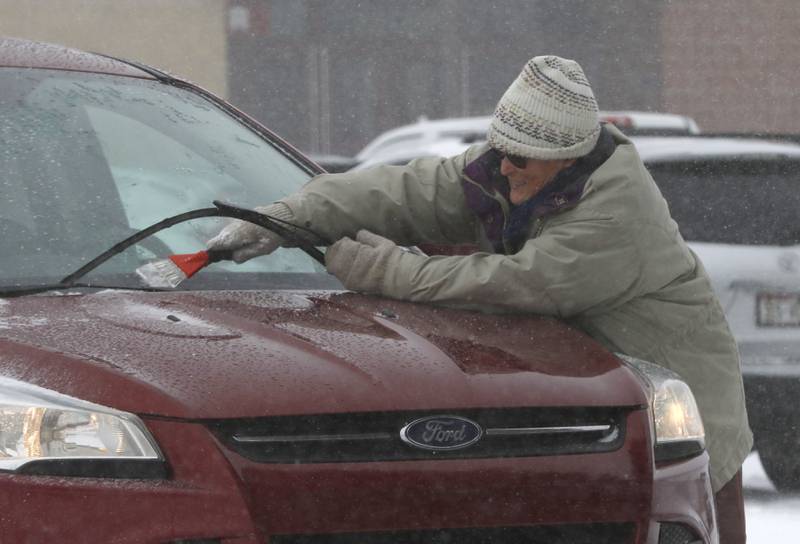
282, 228
24, 290
285, 229
68, 281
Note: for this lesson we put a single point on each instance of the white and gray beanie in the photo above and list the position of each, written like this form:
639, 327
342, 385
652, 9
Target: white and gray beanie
548, 112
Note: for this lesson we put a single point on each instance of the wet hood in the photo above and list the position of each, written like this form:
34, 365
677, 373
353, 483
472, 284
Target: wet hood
254, 353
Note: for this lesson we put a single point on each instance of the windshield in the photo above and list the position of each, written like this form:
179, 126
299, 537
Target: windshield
89, 159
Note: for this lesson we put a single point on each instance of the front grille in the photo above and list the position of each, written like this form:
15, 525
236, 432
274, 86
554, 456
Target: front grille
375, 436
553, 534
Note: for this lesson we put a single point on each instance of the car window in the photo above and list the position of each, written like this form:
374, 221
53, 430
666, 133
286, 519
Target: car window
751, 202
93, 158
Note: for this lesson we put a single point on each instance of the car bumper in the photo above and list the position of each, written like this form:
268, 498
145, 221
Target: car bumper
216, 494
772, 366
771, 374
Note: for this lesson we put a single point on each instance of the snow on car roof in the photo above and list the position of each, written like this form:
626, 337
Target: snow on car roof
651, 149
648, 120
662, 148
427, 130
401, 154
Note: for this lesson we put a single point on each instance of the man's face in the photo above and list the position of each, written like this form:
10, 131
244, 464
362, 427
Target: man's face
526, 182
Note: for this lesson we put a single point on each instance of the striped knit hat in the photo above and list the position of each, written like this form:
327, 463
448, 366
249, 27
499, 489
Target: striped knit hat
548, 112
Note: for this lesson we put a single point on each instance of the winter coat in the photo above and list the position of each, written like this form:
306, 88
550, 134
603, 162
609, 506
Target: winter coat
601, 252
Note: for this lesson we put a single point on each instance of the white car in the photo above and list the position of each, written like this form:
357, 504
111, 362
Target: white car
736, 201
441, 136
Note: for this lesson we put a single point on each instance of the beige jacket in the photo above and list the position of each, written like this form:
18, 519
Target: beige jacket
614, 265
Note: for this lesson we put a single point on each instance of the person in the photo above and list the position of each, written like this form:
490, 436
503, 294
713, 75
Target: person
571, 225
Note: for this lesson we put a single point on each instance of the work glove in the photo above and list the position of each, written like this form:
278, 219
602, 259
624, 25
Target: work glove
248, 240
362, 264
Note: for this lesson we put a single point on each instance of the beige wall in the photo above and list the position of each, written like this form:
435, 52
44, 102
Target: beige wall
733, 65
184, 37
729, 64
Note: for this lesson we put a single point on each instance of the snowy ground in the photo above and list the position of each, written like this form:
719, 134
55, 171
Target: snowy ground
772, 517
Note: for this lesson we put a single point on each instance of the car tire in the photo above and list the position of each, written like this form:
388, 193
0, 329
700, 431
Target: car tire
780, 458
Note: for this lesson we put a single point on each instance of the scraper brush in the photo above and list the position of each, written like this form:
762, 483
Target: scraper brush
170, 272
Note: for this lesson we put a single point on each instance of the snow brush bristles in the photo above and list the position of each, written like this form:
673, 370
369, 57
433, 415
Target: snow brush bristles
169, 273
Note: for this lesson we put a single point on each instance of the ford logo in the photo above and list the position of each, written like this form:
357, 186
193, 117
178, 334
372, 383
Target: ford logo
441, 433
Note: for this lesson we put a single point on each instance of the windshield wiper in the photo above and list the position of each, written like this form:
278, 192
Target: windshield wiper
24, 290
285, 229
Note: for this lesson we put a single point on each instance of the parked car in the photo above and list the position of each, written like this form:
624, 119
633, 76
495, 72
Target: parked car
435, 137
333, 163
261, 402
651, 123
736, 201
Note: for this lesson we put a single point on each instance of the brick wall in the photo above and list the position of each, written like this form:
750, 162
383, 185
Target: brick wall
733, 65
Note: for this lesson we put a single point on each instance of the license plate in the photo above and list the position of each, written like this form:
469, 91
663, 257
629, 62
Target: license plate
778, 310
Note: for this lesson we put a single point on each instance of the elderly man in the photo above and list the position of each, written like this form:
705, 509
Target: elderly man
571, 224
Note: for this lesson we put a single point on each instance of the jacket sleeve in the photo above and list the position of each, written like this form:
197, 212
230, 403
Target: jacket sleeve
417, 203
574, 267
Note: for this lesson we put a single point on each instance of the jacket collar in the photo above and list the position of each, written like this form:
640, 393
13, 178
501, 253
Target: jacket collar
563, 192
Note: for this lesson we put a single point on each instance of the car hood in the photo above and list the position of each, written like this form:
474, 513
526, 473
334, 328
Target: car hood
231, 354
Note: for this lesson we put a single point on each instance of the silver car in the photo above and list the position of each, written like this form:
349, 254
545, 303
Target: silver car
737, 203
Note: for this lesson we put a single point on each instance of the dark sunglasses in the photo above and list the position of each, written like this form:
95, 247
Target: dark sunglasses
517, 160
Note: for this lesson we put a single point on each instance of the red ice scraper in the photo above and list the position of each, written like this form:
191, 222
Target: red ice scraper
169, 273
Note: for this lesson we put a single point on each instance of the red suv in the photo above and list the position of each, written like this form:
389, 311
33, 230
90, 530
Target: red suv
260, 402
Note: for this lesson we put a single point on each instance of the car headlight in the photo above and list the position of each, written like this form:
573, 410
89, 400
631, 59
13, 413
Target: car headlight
45, 432
678, 425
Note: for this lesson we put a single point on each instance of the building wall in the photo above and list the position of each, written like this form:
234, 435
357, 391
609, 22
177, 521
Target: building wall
332, 74
185, 37
732, 65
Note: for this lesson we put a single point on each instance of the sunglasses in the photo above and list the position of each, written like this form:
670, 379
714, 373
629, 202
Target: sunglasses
517, 160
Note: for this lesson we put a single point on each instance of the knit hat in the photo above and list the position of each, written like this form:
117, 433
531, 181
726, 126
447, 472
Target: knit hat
548, 112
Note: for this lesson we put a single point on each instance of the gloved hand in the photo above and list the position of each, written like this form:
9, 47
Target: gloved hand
248, 240
361, 264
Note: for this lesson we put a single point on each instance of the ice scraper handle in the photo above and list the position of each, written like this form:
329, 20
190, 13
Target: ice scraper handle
289, 233
216, 255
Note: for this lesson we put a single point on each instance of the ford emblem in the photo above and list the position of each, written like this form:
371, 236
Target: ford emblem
439, 433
